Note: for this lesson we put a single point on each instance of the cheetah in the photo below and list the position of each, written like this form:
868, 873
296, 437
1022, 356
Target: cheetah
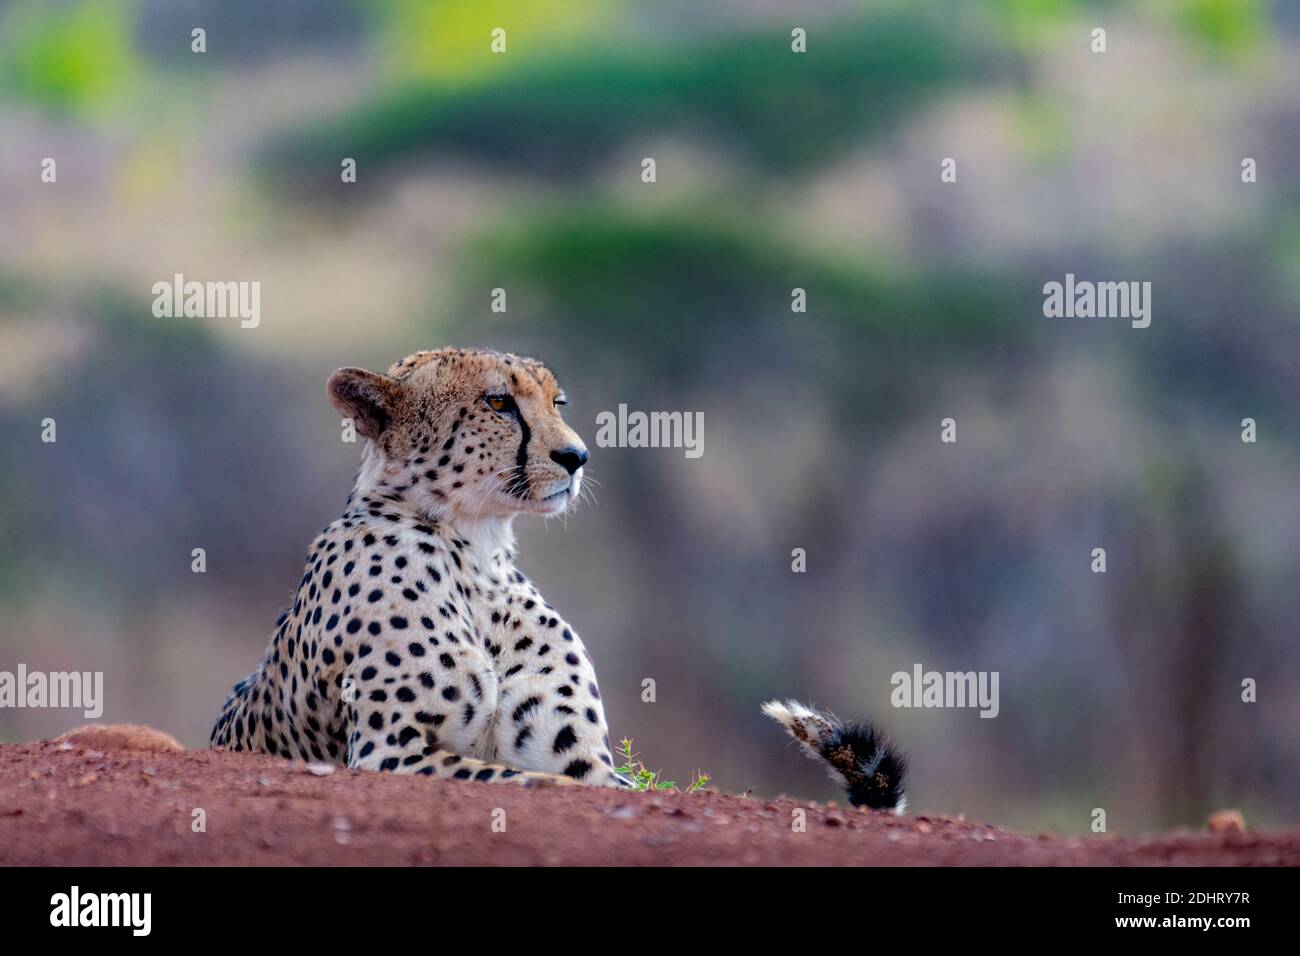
414, 643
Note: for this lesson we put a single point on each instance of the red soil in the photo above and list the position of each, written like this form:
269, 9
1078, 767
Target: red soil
127, 796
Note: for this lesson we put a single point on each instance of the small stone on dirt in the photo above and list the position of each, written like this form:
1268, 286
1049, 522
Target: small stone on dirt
119, 737
1226, 821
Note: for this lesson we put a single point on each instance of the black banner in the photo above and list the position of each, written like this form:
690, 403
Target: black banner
655, 906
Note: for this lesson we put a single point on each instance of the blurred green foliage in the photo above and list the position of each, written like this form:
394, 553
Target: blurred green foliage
624, 279
446, 42
67, 56
1229, 28
781, 111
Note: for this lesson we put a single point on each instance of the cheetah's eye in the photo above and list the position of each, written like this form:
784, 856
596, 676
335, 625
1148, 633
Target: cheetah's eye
561, 400
500, 403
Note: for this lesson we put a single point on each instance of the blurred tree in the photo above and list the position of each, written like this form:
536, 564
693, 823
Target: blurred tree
564, 116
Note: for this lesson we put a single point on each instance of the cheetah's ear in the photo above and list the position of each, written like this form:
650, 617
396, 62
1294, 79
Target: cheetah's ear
365, 397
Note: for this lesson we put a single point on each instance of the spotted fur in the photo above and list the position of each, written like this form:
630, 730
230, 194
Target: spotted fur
414, 643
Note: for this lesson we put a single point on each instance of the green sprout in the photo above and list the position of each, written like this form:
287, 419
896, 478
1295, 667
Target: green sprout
644, 779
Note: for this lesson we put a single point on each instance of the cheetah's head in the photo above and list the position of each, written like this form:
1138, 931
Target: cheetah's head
470, 432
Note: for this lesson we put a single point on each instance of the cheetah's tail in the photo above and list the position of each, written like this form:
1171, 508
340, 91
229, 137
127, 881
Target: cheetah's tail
857, 755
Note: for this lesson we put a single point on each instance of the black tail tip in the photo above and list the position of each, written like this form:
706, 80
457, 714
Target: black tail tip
857, 755
875, 769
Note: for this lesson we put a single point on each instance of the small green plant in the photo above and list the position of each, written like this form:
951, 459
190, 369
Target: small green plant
643, 778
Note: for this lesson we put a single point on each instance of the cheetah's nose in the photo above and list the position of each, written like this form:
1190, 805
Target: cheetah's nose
572, 458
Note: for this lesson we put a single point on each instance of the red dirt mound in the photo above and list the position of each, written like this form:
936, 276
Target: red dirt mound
131, 796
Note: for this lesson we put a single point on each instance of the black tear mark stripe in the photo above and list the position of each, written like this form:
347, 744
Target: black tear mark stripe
517, 487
